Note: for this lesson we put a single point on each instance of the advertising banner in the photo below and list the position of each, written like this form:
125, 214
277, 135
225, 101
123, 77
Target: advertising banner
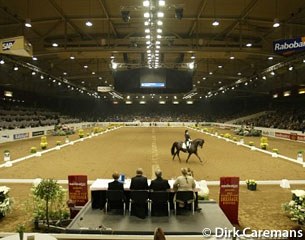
288, 47
16, 46
18, 136
37, 133
229, 197
78, 189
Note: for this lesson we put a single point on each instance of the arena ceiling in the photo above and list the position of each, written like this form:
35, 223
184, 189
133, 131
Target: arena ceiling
84, 56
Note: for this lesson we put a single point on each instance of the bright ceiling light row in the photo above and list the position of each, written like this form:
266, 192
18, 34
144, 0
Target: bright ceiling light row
153, 29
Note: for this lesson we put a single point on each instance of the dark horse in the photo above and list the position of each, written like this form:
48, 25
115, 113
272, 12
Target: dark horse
177, 147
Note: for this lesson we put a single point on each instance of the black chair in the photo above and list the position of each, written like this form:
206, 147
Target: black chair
115, 198
186, 197
159, 198
139, 198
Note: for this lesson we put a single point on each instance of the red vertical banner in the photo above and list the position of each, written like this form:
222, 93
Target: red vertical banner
78, 189
229, 197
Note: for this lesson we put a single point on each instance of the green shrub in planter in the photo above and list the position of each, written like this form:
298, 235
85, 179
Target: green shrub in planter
58, 143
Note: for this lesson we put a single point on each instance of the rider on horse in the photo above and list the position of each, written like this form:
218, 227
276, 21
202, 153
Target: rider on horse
187, 139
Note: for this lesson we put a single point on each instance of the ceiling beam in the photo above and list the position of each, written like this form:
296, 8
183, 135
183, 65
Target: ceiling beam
203, 5
242, 16
64, 17
19, 21
107, 17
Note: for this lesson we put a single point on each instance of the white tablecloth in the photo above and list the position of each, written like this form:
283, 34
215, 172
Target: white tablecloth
37, 236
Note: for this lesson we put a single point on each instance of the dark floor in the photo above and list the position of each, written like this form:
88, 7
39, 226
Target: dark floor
96, 221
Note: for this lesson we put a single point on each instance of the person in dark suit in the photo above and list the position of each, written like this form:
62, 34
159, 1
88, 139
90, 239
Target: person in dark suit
159, 184
139, 182
115, 184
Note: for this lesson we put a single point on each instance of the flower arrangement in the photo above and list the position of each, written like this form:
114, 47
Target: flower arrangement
295, 209
250, 182
33, 150
5, 201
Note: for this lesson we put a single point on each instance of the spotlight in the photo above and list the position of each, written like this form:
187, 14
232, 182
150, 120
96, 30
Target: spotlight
276, 23
179, 13
125, 16
28, 23
215, 23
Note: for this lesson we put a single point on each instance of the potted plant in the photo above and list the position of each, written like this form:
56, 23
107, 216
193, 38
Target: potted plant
33, 150
20, 230
5, 201
251, 184
295, 209
49, 202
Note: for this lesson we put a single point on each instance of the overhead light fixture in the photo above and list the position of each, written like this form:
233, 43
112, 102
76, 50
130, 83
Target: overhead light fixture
159, 23
249, 45
161, 3
179, 13
301, 91
162, 102
146, 3
114, 65
89, 24
142, 102
125, 16
193, 56
191, 65
33, 73
219, 66
232, 57
85, 66
72, 57
272, 73
264, 77
270, 58
175, 102
290, 68
2, 61
160, 14
189, 102
16, 68
286, 93
128, 102
215, 23
28, 23
146, 15
54, 44
276, 23
239, 73
35, 58
159, 30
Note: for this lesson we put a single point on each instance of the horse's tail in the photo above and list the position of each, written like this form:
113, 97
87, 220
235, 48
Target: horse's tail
173, 148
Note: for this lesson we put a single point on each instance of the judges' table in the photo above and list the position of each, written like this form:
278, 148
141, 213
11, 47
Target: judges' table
35, 236
99, 187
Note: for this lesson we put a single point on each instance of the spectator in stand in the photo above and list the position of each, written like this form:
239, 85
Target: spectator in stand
115, 184
159, 234
139, 182
159, 184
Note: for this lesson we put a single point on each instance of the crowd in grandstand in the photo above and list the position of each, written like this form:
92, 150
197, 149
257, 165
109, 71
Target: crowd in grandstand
281, 119
12, 117
22, 117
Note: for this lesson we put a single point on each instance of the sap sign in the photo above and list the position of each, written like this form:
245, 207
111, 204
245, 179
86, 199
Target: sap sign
7, 45
289, 46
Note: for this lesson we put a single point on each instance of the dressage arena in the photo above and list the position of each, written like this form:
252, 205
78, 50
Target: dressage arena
127, 148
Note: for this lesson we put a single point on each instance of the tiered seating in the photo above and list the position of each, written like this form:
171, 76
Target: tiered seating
17, 117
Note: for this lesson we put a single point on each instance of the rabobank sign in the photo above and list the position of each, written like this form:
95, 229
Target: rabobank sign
289, 46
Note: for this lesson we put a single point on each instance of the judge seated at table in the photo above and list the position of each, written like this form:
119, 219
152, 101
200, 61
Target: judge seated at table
115, 184
139, 182
185, 182
159, 184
